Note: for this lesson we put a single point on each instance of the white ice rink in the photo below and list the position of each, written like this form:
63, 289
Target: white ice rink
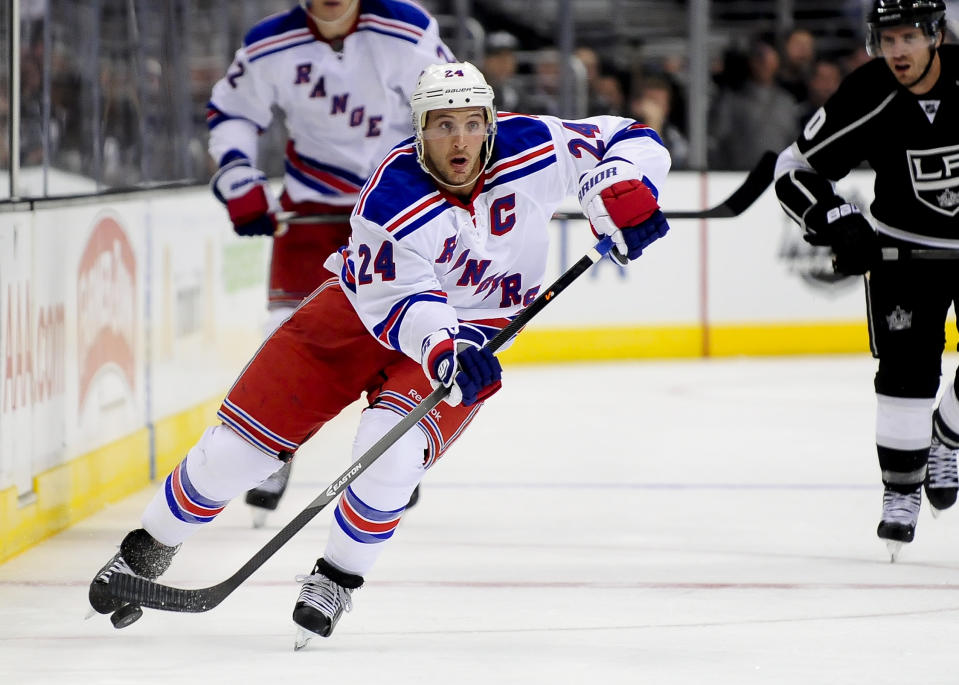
691, 522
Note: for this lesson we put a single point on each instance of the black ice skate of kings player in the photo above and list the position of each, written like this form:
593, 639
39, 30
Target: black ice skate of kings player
900, 115
449, 243
342, 72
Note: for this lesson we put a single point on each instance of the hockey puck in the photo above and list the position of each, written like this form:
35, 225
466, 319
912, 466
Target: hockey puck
125, 615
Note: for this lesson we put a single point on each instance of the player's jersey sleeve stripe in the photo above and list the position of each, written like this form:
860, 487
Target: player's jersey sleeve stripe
215, 116
324, 178
635, 131
481, 332
388, 330
846, 129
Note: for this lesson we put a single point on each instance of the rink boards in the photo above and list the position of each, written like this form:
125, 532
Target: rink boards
124, 320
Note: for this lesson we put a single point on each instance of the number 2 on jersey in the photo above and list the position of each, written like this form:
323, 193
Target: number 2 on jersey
587, 131
383, 264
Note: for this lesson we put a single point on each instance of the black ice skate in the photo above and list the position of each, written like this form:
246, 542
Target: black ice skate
900, 511
942, 479
414, 498
140, 555
324, 597
265, 497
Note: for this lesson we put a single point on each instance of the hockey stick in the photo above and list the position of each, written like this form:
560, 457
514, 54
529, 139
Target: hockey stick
755, 184
143, 592
895, 254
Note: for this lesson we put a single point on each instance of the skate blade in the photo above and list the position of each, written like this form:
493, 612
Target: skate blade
935, 512
259, 517
90, 614
894, 547
303, 637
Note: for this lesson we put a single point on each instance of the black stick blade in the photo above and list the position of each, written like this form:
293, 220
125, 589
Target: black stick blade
742, 198
156, 596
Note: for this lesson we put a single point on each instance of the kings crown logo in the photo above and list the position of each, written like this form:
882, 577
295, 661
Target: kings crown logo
949, 198
899, 320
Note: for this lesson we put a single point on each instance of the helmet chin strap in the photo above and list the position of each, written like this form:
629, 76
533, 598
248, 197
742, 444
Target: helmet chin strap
932, 56
465, 184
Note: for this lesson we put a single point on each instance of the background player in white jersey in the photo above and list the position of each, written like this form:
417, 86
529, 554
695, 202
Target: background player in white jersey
450, 240
899, 114
342, 72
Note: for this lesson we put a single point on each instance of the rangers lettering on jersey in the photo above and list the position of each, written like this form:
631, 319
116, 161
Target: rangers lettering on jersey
344, 109
484, 261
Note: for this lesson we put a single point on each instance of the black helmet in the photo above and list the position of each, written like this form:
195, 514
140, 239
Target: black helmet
928, 15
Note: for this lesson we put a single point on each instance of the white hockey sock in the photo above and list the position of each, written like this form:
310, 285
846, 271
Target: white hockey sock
903, 423
369, 511
215, 470
949, 409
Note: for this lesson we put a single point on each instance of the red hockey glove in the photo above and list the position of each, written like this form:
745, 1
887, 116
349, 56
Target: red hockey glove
246, 194
618, 204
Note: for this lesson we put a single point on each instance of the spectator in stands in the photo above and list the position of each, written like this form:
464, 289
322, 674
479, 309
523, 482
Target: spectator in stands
825, 79
604, 92
652, 105
759, 116
796, 63
543, 97
499, 68
855, 59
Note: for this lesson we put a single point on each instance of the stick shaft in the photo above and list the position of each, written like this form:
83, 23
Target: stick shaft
147, 593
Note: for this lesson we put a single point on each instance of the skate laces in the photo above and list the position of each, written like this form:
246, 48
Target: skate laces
118, 565
325, 595
942, 466
900, 507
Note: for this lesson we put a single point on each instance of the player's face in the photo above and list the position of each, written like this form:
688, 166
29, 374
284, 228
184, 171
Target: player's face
906, 51
453, 143
332, 10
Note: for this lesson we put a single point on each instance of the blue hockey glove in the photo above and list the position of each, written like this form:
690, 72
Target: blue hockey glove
472, 375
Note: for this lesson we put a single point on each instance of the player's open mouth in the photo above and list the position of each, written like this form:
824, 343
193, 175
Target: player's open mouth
459, 164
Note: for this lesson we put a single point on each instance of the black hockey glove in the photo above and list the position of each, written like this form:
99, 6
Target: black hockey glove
841, 226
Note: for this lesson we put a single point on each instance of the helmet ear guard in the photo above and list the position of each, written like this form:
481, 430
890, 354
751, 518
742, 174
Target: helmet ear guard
451, 86
927, 15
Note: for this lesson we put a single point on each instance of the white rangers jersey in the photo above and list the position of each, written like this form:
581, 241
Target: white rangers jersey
419, 260
346, 104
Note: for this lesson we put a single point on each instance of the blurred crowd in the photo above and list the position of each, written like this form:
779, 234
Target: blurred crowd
766, 86
98, 105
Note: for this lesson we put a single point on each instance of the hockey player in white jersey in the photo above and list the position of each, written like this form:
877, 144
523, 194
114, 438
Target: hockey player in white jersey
342, 72
450, 240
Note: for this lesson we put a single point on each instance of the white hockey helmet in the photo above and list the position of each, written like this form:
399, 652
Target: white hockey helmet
451, 86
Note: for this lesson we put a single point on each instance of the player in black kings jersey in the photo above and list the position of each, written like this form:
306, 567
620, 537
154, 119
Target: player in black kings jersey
900, 115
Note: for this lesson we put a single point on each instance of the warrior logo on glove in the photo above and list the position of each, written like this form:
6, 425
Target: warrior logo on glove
619, 202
